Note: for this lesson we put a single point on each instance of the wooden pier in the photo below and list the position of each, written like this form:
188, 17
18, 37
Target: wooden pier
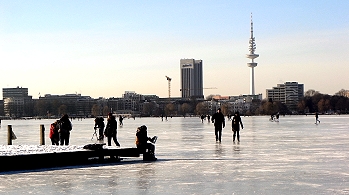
61, 159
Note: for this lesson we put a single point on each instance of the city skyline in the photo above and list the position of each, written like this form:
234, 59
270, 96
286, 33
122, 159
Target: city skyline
103, 49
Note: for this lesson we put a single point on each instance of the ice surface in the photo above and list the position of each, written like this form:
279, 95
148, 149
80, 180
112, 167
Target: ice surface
293, 156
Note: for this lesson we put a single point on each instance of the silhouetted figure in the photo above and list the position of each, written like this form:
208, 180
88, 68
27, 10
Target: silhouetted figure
219, 124
110, 130
65, 127
317, 117
120, 120
99, 124
147, 149
202, 118
236, 126
277, 117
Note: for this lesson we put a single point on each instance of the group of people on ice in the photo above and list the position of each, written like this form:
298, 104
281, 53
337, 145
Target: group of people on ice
219, 124
60, 131
146, 148
60, 134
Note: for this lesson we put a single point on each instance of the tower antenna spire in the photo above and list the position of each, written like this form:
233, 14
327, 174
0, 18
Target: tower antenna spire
252, 47
251, 26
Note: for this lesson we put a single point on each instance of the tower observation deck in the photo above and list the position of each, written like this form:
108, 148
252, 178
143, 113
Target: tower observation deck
252, 56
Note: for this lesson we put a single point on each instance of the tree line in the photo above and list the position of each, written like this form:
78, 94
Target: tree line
315, 101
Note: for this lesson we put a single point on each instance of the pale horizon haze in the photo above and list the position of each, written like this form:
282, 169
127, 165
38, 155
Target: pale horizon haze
104, 48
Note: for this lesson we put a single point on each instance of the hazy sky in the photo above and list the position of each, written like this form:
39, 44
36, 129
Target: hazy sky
104, 48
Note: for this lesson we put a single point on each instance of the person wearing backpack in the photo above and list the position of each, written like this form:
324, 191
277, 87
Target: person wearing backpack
54, 135
65, 127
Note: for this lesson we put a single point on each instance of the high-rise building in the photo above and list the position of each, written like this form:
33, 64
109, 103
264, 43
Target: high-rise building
252, 56
191, 78
288, 93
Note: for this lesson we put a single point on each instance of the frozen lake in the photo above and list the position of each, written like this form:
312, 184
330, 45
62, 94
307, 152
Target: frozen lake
293, 156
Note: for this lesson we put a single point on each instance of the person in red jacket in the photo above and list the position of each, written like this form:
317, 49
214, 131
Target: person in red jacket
54, 135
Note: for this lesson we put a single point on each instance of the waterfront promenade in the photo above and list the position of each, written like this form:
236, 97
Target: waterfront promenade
293, 156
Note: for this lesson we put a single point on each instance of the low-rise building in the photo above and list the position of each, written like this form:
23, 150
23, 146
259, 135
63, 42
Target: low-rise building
17, 102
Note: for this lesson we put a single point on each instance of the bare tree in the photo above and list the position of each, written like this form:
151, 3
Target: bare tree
301, 106
169, 109
95, 110
62, 109
226, 109
105, 110
311, 92
185, 108
148, 108
343, 92
202, 108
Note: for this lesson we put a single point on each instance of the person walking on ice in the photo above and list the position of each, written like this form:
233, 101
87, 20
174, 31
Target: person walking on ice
111, 130
120, 120
317, 117
236, 126
218, 120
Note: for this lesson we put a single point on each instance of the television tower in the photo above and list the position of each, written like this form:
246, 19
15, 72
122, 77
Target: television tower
252, 56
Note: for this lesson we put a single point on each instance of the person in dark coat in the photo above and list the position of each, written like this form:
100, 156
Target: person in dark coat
219, 124
110, 130
120, 120
65, 127
202, 118
147, 149
317, 117
236, 126
99, 124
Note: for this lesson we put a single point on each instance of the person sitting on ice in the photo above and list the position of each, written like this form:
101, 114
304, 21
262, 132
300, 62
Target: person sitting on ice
147, 149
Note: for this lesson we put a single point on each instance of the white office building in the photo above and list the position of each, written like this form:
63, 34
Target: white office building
288, 93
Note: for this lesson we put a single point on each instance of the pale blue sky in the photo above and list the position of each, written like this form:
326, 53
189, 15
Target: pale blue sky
104, 48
